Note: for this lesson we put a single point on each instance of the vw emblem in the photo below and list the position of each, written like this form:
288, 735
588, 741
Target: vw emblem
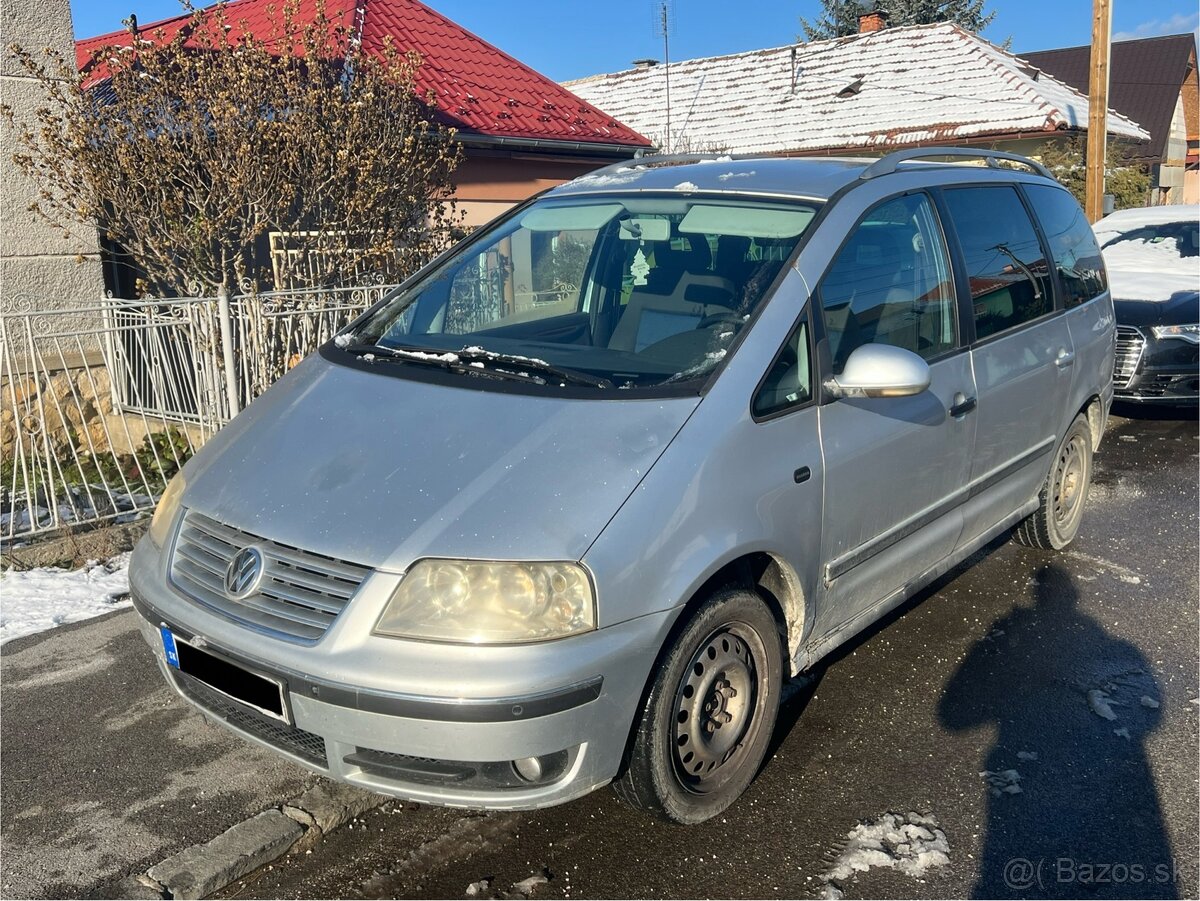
244, 573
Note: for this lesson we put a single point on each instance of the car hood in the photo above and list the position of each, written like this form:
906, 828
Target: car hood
1179, 308
1143, 283
383, 470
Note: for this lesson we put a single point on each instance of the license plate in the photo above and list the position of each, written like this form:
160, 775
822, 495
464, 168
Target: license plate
237, 683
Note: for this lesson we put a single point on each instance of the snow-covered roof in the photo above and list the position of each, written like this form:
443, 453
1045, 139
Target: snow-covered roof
907, 85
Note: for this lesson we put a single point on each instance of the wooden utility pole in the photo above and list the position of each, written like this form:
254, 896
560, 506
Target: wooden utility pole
1097, 133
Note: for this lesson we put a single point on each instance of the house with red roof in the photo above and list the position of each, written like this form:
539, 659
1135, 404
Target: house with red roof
521, 132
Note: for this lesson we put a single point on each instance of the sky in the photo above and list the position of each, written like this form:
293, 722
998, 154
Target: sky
567, 39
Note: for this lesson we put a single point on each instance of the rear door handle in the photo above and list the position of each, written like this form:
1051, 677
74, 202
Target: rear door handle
964, 406
1064, 359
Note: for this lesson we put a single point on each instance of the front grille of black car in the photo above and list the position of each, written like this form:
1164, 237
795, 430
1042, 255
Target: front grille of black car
306, 745
1130, 345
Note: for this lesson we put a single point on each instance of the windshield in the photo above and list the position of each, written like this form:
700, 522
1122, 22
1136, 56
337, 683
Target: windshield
612, 292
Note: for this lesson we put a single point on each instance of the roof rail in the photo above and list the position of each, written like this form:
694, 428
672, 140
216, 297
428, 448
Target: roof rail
891, 163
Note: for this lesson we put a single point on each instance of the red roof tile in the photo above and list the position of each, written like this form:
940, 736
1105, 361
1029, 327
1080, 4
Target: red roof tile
479, 89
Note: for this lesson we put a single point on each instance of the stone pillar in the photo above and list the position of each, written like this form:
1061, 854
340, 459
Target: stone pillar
36, 262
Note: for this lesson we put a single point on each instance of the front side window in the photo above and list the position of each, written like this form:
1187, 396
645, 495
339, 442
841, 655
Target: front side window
891, 284
1010, 281
1072, 244
628, 292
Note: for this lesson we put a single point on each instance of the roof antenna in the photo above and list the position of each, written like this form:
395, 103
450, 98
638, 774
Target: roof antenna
664, 22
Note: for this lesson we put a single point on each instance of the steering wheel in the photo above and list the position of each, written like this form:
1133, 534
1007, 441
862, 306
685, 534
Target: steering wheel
717, 318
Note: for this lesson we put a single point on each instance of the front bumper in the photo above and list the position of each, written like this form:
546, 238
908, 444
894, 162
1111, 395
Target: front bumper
436, 723
1166, 370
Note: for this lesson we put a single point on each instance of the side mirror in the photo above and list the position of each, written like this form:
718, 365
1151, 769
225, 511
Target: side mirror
880, 370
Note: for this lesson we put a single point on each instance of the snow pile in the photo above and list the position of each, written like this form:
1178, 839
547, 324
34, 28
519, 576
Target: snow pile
39, 599
910, 843
1003, 782
1101, 703
686, 186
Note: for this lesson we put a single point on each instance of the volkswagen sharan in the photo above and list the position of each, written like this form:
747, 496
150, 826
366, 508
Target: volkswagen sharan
570, 505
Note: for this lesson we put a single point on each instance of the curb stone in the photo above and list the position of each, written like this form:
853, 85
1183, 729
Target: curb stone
202, 869
208, 867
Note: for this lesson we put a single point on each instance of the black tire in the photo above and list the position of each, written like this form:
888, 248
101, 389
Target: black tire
722, 672
1060, 502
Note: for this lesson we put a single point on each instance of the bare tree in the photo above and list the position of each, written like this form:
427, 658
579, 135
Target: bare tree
190, 149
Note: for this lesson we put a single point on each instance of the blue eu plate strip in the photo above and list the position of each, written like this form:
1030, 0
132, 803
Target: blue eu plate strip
169, 647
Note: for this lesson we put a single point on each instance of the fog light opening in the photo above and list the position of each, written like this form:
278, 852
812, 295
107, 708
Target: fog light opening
545, 768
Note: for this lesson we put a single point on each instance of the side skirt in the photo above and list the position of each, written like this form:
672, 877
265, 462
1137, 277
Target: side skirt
813, 651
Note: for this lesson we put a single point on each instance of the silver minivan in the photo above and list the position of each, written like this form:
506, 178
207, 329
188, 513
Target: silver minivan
571, 505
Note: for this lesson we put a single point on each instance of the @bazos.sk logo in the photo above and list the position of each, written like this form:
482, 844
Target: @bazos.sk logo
244, 573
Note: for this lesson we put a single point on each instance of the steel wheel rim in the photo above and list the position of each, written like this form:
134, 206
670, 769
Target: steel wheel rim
1069, 481
715, 707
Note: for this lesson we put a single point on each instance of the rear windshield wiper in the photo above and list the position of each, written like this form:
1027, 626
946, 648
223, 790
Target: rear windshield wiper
530, 364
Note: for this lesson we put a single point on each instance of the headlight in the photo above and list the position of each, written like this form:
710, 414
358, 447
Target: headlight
1184, 332
164, 513
490, 603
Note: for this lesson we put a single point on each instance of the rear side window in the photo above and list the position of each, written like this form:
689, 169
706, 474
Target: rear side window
1072, 244
1010, 281
890, 284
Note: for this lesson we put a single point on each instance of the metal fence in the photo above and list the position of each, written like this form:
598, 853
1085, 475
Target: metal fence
102, 402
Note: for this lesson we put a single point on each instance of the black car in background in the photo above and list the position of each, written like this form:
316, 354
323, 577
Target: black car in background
1153, 261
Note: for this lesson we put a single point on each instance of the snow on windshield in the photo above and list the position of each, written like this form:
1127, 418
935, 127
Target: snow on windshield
1150, 270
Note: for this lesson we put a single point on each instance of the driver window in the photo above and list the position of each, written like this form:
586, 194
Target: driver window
891, 284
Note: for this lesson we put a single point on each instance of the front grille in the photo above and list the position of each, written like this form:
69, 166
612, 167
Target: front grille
1130, 344
306, 745
299, 595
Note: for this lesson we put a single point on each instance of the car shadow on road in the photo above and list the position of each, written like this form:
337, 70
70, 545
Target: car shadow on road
1072, 809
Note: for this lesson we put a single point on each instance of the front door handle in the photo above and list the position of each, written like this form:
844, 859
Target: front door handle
962, 405
1064, 359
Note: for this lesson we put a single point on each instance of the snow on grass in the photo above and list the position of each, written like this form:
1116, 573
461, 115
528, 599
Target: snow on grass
39, 599
910, 843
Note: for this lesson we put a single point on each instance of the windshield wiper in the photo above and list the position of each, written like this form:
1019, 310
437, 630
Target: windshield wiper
570, 376
471, 361
447, 360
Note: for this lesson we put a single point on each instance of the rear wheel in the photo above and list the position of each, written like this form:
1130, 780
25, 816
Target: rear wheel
1060, 503
707, 720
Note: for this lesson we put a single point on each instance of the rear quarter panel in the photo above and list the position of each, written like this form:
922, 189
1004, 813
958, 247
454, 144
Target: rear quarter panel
1093, 334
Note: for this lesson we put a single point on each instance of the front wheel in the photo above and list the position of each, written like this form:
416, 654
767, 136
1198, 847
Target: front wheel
1060, 503
708, 718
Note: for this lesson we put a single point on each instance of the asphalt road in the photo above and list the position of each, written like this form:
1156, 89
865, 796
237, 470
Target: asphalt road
987, 672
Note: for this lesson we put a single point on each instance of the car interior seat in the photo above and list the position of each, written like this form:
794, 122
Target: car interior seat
681, 294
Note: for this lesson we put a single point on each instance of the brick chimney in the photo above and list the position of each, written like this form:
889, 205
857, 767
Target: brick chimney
871, 17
